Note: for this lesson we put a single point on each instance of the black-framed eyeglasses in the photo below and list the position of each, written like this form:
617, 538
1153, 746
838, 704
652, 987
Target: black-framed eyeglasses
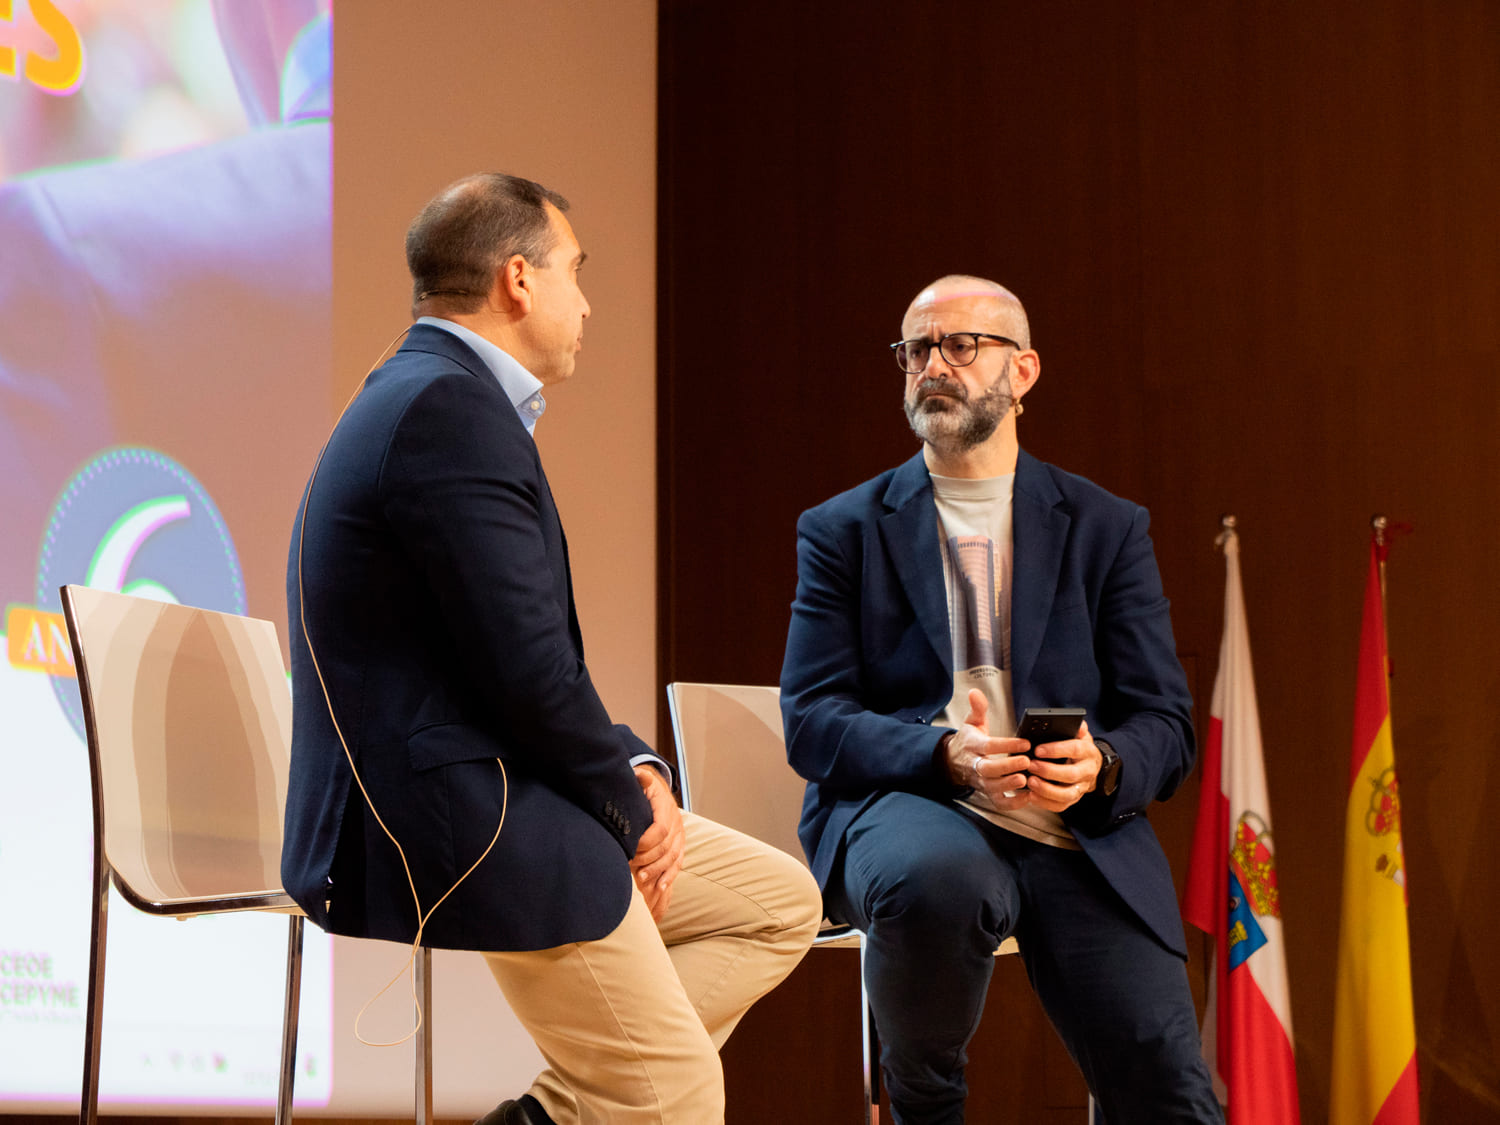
959, 348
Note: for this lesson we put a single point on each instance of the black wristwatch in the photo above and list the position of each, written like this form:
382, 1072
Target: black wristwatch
1109, 772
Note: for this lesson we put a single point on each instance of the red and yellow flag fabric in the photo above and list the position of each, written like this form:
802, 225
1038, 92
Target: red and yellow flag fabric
1233, 894
1374, 1079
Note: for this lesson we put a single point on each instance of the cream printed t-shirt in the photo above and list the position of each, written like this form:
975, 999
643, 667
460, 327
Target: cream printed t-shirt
974, 524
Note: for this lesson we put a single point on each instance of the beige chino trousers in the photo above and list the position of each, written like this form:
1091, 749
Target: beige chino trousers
631, 1024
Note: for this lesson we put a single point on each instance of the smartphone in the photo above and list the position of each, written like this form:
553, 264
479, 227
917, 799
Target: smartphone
1040, 725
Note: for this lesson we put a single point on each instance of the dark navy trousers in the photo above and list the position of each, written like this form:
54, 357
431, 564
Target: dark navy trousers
936, 889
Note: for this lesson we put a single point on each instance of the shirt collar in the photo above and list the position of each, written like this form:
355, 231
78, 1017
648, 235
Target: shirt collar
521, 387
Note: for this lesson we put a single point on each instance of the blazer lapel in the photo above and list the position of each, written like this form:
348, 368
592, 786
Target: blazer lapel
427, 338
1040, 531
910, 534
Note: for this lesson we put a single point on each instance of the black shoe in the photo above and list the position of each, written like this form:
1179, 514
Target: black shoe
523, 1111
501, 1114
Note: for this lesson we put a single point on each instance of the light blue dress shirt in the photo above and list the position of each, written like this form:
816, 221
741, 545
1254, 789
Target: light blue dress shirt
520, 386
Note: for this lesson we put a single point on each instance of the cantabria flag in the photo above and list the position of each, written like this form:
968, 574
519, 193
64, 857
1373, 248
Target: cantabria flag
1232, 892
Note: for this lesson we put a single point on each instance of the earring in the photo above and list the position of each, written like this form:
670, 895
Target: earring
1020, 409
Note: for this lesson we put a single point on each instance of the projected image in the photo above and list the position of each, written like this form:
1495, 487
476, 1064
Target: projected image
165, 281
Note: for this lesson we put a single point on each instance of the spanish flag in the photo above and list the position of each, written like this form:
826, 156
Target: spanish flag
1374, 1080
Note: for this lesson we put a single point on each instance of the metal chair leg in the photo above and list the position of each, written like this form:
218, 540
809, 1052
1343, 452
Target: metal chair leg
288, 1079
93, 1024
424, 1037
870, 1115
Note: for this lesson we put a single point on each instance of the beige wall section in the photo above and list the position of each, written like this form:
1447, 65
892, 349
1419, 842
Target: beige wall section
564, 93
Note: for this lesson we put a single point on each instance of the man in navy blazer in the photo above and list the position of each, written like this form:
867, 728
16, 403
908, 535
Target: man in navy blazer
935, 603
455, 778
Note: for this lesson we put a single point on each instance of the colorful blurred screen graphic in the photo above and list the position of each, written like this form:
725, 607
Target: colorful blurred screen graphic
165, 296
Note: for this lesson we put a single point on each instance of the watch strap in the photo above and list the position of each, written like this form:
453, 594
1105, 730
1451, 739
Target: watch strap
1109, 771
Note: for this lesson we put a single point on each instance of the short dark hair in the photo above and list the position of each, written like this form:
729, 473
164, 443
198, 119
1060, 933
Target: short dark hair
458, 241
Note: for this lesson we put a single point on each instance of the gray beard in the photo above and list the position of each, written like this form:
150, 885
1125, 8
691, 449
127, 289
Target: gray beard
957, 427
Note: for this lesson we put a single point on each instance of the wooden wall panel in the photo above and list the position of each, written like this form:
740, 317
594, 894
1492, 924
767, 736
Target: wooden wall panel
1258, 244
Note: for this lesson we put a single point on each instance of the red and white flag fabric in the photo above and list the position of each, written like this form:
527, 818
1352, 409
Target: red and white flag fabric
1232, 892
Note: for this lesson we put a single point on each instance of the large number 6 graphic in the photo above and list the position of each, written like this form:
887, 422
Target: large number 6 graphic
118, 548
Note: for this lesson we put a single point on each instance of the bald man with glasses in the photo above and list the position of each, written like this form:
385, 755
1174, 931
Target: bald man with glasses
936, 603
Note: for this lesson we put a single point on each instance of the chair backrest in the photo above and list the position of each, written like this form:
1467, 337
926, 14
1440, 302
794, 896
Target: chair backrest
732, 756
188, 713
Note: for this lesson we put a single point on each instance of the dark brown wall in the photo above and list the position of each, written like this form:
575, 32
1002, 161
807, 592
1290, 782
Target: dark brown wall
1260, 248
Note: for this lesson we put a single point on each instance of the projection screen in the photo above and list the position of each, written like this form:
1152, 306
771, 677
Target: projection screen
165, 280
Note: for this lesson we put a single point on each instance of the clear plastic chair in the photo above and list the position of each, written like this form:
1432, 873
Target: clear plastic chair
732, 756
188, 714
189, 720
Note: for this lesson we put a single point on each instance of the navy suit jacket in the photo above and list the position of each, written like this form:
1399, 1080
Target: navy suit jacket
869, 661
439, 606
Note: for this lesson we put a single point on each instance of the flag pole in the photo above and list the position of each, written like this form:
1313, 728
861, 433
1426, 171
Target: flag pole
1378, 525
1227, 526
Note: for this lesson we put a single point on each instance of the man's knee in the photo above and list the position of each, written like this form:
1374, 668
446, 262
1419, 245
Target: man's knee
947, 893
804, 911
